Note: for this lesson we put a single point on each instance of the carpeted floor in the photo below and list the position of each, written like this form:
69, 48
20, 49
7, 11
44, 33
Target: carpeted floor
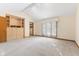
39, 46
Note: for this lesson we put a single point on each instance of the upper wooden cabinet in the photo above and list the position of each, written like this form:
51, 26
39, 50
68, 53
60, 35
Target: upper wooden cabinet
14, 21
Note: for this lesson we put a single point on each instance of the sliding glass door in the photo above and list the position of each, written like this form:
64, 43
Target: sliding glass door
44, 30
54, 29
49, 29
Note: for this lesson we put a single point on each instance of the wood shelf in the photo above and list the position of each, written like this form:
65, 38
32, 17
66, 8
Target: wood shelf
14, 21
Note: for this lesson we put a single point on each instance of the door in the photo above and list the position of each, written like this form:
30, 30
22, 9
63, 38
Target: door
3, 26
11, 33
19, 33
54, 29
31, 28
48, 29
44, 29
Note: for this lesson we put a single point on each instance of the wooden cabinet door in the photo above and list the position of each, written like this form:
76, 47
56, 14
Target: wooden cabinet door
3, 26
19, 33
11, 33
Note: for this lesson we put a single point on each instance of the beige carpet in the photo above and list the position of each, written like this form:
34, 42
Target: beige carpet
39, 46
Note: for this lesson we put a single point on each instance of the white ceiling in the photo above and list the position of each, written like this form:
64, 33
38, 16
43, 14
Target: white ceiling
14, 7
40, 10
46, 10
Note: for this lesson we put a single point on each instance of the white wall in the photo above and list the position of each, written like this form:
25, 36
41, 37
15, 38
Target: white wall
66, 27
77, 25
37, 28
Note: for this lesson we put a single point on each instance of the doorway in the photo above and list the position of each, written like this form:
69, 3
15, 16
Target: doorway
31, 28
